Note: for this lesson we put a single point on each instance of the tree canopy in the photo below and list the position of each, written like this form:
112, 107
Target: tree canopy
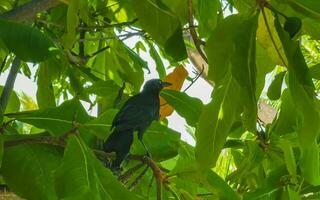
258, 137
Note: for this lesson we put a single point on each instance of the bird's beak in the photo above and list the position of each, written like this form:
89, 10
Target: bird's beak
165, 84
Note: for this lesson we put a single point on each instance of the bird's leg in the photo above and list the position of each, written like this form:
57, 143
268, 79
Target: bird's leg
145, 148
140, 135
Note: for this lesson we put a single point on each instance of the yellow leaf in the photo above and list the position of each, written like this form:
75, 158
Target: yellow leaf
176, 78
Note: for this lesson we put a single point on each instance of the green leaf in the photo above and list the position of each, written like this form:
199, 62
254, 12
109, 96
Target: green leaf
315, 71
45, 94
82, 176
289, 157
308, 8
29, 44
207, 14
264, 66
286, 121
103, 88
55, 120
28, 170
302, 91
157, 59
167, 32
274, 91
101, 125
217, 184
232, 47
215, 123
69, 38
161, 141
186, 106
13, 103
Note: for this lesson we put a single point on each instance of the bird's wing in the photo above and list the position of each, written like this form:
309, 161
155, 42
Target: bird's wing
137, 112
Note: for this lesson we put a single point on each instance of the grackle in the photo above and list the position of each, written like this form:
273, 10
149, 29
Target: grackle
136, 115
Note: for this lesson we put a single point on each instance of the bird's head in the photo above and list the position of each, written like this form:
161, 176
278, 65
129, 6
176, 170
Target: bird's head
155, 85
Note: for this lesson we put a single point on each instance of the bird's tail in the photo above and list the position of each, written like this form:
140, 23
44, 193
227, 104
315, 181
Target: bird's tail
120, 143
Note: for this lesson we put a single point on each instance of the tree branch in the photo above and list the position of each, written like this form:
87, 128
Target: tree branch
28, 11
196, 40
9, 84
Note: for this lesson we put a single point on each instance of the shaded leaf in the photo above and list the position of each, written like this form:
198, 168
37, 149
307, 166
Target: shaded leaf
81, 176
162, 142
29, 44
292, 25
28, 170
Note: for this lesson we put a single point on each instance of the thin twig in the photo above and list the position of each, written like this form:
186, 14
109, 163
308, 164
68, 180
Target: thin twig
113, 37
159, 175
150, 185
194, 80
124, 178
139, 178
82, 38
99, 51
3, 63
88, 28
195, 38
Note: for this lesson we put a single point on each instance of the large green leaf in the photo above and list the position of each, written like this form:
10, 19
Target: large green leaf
207, 16
308, 8
232, 47
82, 176
186, 106
215, 123
302, 91
163, 26
29, 44
162, 142
28, 170
56, 120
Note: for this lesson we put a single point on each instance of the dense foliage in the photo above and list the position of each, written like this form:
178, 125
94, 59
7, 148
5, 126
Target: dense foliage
257, 51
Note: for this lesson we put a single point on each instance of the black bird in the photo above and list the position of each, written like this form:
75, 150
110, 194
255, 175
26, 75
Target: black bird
136, 115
